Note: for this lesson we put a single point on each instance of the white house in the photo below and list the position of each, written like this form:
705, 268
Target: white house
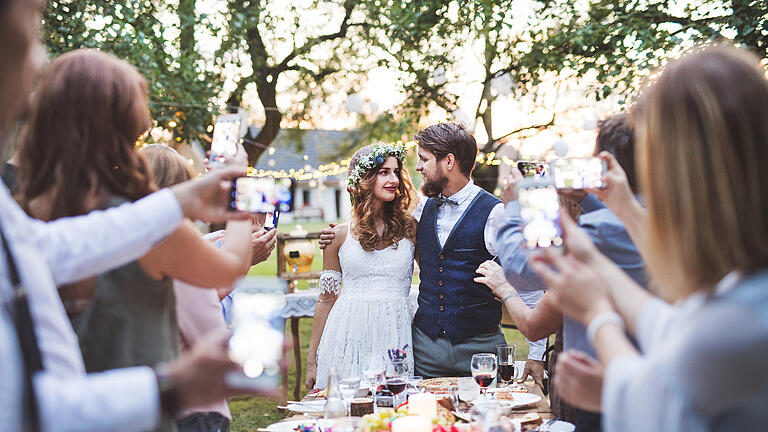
324, 198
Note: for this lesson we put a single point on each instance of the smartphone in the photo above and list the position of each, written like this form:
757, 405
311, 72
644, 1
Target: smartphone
253, 195
258, 330
226, 137
533, 169
540, 213
578, 173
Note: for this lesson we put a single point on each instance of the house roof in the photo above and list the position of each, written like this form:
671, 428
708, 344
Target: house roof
295, 149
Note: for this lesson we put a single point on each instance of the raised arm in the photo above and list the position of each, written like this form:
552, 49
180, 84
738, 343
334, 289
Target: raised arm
185, 256
330, 286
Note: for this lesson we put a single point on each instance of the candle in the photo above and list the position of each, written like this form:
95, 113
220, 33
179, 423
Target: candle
422, 404
412, 424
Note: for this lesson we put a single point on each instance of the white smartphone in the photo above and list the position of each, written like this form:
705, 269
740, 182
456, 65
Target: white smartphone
258, 330
226, 137
540, 213
579, 173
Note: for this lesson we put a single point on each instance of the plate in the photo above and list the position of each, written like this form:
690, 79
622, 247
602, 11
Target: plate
312, 407
290, 425
519, 400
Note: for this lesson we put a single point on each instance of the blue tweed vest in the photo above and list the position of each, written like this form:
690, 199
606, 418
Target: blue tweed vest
449, 299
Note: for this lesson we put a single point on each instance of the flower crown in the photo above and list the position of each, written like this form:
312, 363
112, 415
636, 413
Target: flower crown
372, 160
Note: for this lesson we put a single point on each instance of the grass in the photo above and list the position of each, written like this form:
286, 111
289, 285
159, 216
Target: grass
251, 413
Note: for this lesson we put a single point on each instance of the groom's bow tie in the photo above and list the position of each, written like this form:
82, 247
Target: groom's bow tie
443, 200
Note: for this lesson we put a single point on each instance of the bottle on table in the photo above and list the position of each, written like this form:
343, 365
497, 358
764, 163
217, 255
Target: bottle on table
334, 404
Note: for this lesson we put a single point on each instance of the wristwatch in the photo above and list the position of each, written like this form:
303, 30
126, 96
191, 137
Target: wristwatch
170, 403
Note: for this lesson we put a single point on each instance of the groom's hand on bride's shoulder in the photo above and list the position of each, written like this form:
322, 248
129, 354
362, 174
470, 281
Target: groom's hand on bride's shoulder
327, 236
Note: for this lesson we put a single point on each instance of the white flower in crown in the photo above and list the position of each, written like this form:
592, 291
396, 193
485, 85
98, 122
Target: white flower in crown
374, 159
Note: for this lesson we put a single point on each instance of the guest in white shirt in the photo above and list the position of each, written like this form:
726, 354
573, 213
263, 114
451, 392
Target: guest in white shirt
47, 254
702, 137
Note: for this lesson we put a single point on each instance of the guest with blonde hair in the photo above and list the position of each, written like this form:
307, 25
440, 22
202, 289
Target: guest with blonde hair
701, 136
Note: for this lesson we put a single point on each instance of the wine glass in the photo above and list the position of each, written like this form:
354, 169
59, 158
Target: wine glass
484, 371
397, 378
374, 367
507, 354
349, 382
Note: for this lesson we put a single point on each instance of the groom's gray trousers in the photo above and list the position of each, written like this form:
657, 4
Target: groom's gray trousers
440, 358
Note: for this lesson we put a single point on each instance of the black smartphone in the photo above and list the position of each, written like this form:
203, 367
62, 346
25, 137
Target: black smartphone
579, 173
540, 213
253, 195
533, 169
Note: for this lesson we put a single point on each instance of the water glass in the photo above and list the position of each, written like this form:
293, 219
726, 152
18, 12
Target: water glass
507, 354
349, 382
484, 370
374, 367
468, 389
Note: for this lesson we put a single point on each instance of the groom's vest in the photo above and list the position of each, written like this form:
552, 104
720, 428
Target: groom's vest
450, 301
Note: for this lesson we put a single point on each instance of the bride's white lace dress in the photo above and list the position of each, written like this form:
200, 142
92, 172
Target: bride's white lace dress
372, 313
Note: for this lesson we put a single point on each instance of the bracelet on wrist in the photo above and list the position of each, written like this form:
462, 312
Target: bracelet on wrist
170, 401
509, 296
601, 319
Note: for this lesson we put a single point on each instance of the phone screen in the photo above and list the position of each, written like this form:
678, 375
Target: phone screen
257, 332
578, 173
533, 169
540, 213
226, 136
253, 195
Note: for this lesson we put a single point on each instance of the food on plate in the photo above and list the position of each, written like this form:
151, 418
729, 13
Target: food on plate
445, 401
530, 421
442, 383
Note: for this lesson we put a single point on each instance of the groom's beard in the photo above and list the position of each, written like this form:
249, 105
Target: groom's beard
433, 187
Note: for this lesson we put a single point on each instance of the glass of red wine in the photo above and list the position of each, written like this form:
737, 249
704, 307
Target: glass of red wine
484, 370
397, 379
507, 354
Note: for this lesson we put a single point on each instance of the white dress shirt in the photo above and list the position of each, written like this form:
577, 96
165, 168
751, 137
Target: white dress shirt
68, 250
448, 215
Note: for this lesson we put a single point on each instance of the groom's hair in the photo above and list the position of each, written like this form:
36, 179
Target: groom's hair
444, 138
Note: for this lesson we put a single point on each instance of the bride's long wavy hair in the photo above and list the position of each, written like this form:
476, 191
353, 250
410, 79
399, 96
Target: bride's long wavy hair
396, 214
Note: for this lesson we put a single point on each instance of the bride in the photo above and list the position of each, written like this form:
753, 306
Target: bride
363, 306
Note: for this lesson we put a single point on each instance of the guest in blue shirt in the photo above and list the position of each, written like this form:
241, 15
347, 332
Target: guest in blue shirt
604, 228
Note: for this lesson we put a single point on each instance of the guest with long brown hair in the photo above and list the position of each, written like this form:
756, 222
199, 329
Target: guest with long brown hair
79, 155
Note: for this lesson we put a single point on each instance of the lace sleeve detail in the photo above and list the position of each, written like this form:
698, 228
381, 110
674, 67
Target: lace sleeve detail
330, 282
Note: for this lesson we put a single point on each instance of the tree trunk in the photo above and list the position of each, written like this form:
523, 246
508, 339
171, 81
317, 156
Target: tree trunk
486, 176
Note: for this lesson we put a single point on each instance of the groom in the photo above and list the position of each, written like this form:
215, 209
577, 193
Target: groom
458, 223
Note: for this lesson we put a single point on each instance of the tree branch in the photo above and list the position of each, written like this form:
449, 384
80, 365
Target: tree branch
311, 43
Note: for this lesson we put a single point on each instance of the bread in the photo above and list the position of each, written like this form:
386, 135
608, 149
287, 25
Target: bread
530, 421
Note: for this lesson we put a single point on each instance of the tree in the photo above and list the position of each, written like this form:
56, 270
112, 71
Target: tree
309, 46
181, 85
431, 43
623, 41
